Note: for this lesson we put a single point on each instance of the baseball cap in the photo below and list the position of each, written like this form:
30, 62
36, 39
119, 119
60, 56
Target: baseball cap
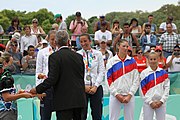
102, 16
44, 42
57, 16
78, 13
158, 48
16, 35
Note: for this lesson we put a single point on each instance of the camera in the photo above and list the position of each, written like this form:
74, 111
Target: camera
176, 53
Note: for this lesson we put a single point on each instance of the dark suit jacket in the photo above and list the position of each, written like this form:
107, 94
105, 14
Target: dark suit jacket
66, 75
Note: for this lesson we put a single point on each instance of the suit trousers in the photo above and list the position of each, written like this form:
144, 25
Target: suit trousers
46, 106
70, 114
96, 104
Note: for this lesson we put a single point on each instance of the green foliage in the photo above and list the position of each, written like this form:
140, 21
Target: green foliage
46, 25
46, 18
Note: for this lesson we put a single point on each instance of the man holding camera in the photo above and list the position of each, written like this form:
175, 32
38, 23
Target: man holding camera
76, 27
173, 61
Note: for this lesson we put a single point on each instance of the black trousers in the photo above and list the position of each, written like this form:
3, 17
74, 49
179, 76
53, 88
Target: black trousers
70, 114
96, 104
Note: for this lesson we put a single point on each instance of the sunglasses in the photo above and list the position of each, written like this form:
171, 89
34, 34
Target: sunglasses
176, 50
14, 45
158, 51
34, 22
139, 53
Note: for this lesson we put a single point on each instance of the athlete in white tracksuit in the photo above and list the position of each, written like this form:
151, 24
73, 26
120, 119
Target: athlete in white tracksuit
154, 87
123, 80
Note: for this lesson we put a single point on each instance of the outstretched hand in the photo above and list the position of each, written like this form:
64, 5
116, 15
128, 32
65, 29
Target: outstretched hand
33, 91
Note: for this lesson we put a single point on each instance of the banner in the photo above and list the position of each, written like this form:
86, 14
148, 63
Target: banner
32, 111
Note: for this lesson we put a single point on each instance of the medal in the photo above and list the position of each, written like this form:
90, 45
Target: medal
88, 77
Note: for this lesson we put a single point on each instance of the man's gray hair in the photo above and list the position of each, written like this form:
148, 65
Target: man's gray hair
62, 37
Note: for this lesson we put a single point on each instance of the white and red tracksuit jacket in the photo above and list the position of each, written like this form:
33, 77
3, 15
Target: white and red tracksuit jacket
154, 85
123, 77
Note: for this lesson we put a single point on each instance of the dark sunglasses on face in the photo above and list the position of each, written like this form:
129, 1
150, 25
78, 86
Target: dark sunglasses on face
34, 22
139, 53
176, 50
158, 50
14, 45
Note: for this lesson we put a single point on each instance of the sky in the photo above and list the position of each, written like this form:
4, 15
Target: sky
88, 8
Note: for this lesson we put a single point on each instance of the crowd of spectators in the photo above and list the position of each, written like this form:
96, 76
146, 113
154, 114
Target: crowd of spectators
141, 39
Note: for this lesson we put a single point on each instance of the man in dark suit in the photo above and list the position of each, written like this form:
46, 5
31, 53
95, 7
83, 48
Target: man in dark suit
66, 75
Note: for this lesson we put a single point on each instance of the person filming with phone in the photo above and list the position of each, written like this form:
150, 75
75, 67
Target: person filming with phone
173, 61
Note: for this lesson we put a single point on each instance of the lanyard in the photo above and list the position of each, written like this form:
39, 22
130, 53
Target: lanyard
87, 58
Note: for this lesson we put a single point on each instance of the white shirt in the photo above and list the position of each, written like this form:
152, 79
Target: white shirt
175, 66
28, 40
148, 41
99, 35
42, 63
97, 68
163, 26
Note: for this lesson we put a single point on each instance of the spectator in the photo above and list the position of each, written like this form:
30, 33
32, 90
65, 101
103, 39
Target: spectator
153, 26
147, 39
35, 29
163, 26
76, 27
140, 60
127, 36
29, 61
99, 23
17, 56
116, 30
14, 27
103, 34
129, 52
8, 95
2, 47
44, 44
107, 54
168, 40
8, 62
154, 87
173, 61
28, 39
94, 72
55, 26
135, 28
15, 38
162, 59
1, 30
123, 80
59, 20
